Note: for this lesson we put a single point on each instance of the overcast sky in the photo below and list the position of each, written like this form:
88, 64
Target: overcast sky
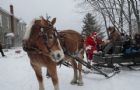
64, 10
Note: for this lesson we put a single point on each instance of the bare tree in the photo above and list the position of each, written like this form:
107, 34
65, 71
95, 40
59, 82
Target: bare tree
136, 12
118, 12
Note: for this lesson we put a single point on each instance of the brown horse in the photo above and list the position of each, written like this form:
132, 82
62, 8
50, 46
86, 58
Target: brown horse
72, 46
43, 48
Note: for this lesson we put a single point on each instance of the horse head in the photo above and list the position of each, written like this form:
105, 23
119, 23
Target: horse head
41, 37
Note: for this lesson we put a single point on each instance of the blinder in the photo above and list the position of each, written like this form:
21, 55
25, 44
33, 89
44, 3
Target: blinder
43, 33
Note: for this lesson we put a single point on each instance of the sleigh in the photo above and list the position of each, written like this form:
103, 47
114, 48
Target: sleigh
117, 60
109, 65
121, 59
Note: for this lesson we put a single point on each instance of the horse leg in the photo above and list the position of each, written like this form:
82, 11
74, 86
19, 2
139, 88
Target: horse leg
74, 65
79, 68
80, 80
53, 74
38, 72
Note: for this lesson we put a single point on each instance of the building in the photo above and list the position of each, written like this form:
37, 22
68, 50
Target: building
11, 28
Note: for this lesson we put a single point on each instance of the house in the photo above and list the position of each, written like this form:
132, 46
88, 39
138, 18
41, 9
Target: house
11, 28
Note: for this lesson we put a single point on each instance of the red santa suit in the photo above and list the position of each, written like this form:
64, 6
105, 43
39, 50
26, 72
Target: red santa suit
90, 44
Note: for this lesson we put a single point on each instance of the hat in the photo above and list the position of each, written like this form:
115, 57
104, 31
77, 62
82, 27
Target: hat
110, 29
93, 34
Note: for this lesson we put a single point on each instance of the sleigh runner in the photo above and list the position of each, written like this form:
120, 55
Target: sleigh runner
93, 68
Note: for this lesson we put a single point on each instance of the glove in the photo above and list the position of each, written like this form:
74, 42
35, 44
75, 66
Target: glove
95, 51
107, 41
88, 47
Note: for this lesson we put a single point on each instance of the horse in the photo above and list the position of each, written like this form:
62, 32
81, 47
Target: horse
43, 49
72, 44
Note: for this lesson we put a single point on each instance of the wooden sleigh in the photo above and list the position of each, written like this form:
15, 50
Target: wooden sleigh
109, 65
117, 60
109, 60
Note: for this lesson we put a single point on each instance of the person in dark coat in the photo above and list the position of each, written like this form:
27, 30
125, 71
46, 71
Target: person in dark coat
2, 53
137, 41
114, 36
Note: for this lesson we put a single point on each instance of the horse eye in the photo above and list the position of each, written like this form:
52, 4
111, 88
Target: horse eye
51, 37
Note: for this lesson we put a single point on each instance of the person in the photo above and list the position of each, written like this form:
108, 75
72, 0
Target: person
127, 43
123, 37
2, 53
137, 41
114, 36
90, 45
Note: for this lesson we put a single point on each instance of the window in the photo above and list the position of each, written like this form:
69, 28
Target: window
0, 20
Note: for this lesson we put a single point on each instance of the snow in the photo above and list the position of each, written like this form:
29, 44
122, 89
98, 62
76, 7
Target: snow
17, 74
10, 35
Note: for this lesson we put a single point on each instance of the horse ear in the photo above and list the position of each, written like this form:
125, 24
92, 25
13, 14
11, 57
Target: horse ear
53, 21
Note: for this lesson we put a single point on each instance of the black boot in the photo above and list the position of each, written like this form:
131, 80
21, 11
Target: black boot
2, 53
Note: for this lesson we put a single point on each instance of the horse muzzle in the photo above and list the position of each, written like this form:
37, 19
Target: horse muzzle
57, 56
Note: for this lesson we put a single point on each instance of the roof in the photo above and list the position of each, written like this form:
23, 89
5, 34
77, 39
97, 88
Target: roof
6, 12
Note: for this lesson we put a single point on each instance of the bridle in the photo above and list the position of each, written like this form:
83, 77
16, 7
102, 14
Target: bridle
43, 33
45, 37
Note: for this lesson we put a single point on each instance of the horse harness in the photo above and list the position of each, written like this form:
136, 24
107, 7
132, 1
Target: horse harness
45, 37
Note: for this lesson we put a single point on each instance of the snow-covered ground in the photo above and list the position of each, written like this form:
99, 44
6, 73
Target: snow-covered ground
17, 74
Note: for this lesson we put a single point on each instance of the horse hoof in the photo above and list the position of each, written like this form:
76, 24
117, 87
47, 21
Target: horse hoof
80, 84
73, 82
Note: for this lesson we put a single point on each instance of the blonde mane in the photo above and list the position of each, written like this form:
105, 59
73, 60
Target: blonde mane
28, 30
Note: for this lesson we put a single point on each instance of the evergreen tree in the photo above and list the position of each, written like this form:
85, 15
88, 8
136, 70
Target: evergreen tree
90, 25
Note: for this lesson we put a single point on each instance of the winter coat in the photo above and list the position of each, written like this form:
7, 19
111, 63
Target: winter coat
90, 43
114, 36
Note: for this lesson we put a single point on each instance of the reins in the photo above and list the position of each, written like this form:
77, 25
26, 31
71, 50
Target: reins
34, 50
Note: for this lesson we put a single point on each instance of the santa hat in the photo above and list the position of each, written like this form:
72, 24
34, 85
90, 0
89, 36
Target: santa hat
93, 34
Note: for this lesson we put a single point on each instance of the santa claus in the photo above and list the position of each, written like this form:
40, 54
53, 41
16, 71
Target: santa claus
90, 44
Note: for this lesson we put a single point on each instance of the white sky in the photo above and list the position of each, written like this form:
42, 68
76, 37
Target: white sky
64, 10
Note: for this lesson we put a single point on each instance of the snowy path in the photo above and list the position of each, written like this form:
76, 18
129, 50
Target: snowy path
17, 74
